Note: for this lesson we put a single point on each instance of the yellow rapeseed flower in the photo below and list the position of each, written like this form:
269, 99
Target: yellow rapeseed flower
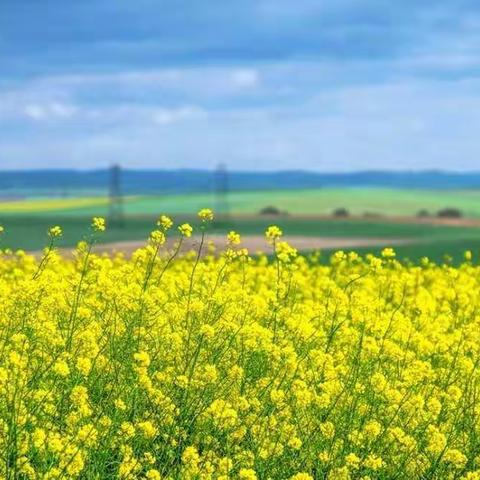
98, 224
157, 238
388, 253
247, 474
301, 476
205, 215
186, 230
55, 232
272, 233
165, 222
233, 238
153, 474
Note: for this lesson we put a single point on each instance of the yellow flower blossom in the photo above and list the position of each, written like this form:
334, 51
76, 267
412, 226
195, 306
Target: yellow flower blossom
186, 230
233, 238
205, 215
301, 476
98, 224
55, 232
61, 368
165, 222
153, 474
157, 238
272, 233
388, 253
247, 474
147, 429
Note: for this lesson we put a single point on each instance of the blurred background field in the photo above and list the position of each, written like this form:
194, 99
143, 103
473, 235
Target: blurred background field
417, 221
357, 201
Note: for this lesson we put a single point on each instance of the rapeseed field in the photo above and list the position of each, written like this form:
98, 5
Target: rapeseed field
223, 365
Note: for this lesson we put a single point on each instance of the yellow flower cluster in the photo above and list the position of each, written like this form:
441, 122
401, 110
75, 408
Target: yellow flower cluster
98, 224
186, 230
233, 238
157, 237
55, 232
273, 233
230, 367
205, 215
165, 222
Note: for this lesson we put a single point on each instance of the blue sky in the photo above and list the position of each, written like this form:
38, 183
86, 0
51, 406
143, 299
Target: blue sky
325, 85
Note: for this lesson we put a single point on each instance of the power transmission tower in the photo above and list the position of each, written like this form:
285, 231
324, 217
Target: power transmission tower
116, 213
221, 191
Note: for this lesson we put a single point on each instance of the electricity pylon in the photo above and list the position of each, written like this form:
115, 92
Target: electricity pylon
116, 213
221, 191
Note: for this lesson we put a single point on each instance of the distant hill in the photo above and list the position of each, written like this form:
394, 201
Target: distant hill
67, 182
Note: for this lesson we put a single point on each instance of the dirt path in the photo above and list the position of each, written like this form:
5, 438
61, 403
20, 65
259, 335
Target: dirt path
450, 222
257, 243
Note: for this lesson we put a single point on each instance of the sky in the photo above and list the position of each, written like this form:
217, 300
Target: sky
323, 85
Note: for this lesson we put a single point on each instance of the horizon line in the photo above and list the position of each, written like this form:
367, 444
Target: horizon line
439, 171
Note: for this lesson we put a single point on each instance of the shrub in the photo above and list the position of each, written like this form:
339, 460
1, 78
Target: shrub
341, 212
422, 213
449, 213
270, 210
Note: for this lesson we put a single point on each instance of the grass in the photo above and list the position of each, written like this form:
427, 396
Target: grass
312, 202
26, 221
29, 232
441, 251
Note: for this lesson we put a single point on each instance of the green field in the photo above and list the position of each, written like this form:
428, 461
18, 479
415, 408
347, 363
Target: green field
29, 232
358, 201
26, 222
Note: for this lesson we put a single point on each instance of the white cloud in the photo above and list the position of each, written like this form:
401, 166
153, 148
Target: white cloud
206, 81
319, 116
166, 116
36, 112
245, 78
49, 111
62, 110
